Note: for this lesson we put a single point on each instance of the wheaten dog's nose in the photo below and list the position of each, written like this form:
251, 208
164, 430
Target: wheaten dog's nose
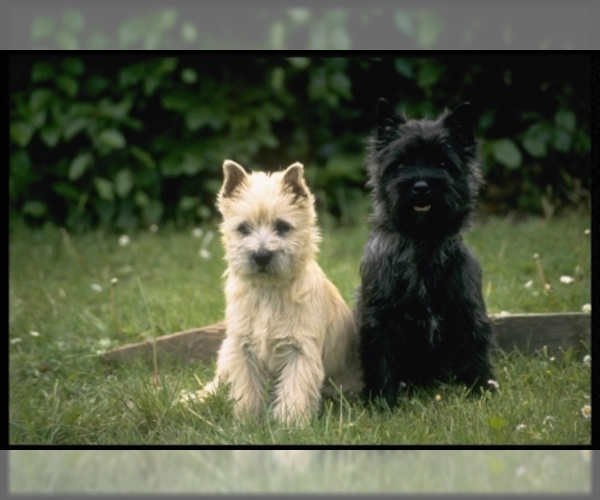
262, 257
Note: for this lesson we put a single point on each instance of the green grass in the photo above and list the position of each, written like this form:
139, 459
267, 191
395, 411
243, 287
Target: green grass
247, 471
61, 393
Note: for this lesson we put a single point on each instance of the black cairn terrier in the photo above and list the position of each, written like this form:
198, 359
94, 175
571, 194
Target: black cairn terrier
420, 309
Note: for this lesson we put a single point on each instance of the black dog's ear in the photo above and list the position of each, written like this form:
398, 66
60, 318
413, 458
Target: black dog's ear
387, 118
460, 122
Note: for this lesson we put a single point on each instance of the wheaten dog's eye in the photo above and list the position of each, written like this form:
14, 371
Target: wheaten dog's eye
282, 227
243, 229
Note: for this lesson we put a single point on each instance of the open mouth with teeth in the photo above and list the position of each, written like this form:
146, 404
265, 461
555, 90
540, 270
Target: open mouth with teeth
422, 209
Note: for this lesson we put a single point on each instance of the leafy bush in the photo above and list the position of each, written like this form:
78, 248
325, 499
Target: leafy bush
127, 140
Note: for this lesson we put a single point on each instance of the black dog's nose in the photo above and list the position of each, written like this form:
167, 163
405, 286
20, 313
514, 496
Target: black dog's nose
262, 257
421, 188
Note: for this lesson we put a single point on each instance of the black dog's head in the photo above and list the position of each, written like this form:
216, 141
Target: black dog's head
423, 174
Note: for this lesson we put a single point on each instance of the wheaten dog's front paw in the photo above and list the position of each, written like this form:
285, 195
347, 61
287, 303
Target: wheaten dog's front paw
200, 395
292, 415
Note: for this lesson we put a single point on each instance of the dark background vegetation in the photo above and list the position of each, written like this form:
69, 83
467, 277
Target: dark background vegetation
125, 140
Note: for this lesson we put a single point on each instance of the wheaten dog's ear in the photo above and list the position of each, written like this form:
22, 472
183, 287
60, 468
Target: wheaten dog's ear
235, 176
293, 177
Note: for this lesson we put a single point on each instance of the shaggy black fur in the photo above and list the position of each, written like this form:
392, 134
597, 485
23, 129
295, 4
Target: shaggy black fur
420, 309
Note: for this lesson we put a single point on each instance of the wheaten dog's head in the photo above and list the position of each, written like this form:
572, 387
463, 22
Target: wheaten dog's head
268, 226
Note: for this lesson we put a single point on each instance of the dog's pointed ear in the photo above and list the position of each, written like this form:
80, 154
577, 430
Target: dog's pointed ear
293, 178
460, 123
235, 176
387, 118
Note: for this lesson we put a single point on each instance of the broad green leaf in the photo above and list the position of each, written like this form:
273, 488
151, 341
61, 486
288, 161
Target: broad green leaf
74, 127
565, 119
73, 65
38, 99
535, 147
562, 141
38, 119
105, 188
141, 199
50, 134
123, 182
97, 41
191, 164
198, 117
35, 208
166, 19
73, 20
66, 41
66, 190
404, 67
41, 27
21, 132
79, 165
299, 15
130, 75
142, 156
339, 39
188, 202
189, 76
41, 72
429, 29
188, 32
429, 74
506, 153
68, 85
299, 62
112, 139
405, 22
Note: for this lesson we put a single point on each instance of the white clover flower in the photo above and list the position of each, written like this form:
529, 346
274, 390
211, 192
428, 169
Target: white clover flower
529, 284
114, 281
586, 411
96, 287
105, 343
197, 232
586, 232
566, 279
124, 240
34, 334
587, 360
520, 427
586, 308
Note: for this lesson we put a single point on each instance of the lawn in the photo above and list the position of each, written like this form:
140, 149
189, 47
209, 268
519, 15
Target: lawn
300, 471
73, 296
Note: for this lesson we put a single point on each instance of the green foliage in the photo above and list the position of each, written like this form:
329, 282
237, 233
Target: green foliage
135, 141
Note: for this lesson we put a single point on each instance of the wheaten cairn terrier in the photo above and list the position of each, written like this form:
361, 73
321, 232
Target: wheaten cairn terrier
290, 335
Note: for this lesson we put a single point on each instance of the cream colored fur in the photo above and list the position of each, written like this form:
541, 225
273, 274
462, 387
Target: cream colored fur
290, 335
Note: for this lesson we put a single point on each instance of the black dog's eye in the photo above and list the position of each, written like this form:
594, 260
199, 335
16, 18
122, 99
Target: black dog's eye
244, 229
282, 227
